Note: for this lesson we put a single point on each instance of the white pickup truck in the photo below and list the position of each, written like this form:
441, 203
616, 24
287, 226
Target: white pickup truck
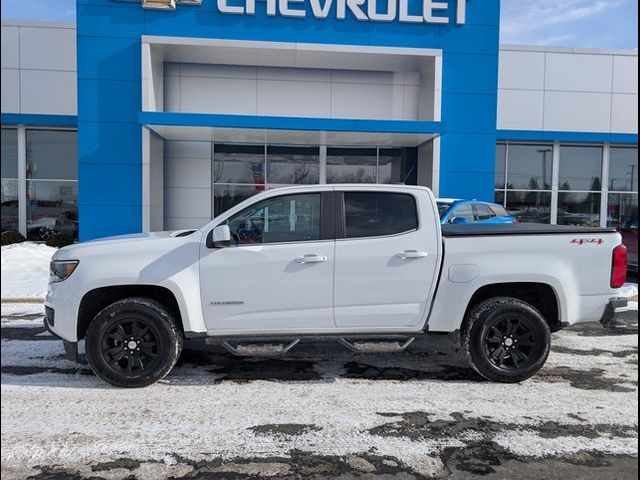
367, 265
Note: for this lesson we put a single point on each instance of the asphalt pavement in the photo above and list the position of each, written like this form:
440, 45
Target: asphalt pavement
322, 412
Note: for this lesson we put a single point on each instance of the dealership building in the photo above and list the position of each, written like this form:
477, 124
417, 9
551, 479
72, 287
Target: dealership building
160, 114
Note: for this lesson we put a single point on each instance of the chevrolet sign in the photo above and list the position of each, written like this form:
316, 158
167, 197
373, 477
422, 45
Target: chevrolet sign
366, 10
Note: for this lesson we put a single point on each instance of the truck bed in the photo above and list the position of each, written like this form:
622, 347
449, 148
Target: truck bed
505, 229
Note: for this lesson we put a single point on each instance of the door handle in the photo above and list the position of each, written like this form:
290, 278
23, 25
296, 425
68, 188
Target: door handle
411, 254
311, 258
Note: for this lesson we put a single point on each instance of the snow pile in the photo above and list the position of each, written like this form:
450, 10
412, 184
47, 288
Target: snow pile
25, 270
629, 290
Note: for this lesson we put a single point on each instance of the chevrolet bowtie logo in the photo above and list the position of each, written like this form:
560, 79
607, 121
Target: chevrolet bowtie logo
165, 4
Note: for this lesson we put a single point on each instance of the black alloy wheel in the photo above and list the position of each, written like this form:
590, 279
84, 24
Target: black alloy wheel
130, 346
506, 339
511, 342
133, 342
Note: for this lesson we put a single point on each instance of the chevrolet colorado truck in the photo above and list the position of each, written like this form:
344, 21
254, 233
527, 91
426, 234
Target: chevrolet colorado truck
367, 265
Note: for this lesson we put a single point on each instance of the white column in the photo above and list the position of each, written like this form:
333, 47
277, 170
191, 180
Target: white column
604, 195
323, 165
22, 180
555, 175
146, 180
435, 167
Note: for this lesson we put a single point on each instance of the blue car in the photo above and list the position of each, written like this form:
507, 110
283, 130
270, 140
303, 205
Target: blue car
472, 211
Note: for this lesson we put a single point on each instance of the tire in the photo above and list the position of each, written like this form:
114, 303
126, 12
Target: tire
133, 342
506, 340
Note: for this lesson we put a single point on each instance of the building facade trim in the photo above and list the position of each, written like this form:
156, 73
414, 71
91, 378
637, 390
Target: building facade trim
289, 123
36, 119
558, 136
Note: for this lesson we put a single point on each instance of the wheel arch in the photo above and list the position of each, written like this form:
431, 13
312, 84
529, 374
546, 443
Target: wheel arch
97, 299
542, 296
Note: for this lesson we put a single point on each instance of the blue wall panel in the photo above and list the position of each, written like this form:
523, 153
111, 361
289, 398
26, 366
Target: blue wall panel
109, 98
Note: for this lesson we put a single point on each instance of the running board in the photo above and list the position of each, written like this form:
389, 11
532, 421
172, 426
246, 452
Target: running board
377, 346
262, 349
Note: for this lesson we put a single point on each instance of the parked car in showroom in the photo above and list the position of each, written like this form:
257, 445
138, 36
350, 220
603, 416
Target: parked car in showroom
370, 266
454, 210
629, 232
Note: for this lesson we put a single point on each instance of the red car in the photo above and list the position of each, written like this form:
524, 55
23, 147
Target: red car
629, 233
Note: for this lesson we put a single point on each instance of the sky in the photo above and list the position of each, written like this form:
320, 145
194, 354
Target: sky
573, 23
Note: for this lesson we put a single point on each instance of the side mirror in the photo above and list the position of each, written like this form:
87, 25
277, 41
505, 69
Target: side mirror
219, 237
458, 220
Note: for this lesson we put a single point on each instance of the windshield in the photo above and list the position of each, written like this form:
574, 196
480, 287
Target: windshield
443, 207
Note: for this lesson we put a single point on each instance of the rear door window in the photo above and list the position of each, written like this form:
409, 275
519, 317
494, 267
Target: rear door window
500, 211
465, 211
374, 214
483, 212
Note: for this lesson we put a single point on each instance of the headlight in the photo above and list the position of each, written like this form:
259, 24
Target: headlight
62, 269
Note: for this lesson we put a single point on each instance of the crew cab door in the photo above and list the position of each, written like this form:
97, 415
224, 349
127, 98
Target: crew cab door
278, 273
387, 254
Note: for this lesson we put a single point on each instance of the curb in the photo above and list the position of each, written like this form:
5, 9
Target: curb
22, 300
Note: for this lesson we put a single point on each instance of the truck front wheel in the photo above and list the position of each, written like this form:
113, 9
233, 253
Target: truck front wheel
133, 342
506, 339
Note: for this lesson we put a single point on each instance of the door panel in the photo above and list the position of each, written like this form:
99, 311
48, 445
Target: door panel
383, 282
276, 291
278, 275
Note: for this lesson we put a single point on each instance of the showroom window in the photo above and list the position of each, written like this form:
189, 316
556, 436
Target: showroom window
523, 180
579, 185
9, 179
594, 185
39, 181
622, 202
52, 183
240, 171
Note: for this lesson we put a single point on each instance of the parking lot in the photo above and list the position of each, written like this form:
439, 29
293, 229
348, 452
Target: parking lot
322, 412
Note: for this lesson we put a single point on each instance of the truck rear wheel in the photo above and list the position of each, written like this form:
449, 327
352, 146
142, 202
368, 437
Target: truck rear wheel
133, 342
507, 340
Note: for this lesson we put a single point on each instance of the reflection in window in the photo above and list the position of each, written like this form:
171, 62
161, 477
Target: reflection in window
9, 204
51, 207
622, 209
227, 196
397, 165
579, 208
529, 167
623, 169
238, 164
52, 154
501, 165
290, 218
293, 165
580, 168
529, 207
523, 180
351, 165
9, 153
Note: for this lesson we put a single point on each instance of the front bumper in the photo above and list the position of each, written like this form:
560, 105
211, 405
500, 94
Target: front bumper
70, 348
612, 313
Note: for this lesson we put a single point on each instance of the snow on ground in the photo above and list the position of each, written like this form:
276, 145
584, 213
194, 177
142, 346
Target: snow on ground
25, 270
629, 290
410, 409
19, 310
